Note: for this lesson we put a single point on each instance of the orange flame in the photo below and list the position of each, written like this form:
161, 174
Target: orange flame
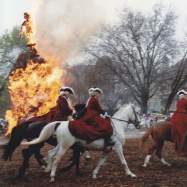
33, 91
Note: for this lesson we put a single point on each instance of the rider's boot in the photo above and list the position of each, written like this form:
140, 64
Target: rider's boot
108, 142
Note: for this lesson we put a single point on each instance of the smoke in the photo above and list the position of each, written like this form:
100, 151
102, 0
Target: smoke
63, 27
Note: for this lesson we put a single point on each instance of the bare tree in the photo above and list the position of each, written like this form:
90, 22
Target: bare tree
177, 79
139, 48
83, 76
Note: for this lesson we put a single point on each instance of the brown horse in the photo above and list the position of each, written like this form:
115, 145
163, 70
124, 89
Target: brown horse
160, 133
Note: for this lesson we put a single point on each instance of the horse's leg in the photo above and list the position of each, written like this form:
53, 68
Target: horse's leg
26, 153
159, 154
50, 158
39, 157
119, 150
76, 159
150, 152
61, 151
102, 160
147, 160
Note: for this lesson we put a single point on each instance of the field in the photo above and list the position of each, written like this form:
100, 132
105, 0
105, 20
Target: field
111, 174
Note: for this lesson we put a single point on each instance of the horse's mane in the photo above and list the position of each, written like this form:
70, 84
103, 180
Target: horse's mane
120, 111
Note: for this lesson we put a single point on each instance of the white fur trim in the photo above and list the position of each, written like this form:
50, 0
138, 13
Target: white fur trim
98, 89
183, 92
90, 91
66, 87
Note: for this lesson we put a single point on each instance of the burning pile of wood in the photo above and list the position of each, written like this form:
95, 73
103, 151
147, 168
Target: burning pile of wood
33, 82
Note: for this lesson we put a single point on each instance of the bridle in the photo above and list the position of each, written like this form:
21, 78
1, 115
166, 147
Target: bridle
136, 122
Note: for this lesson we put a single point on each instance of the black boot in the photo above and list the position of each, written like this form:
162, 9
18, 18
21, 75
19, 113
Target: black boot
108, 141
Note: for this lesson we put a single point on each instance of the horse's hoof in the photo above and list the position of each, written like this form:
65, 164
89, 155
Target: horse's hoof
132, 175
168, 164
87, 157
52, 180
94, 176
144, 165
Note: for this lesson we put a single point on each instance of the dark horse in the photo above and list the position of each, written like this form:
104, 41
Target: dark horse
31, 131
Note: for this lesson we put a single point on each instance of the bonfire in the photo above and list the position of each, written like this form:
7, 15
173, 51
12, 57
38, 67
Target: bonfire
34, 86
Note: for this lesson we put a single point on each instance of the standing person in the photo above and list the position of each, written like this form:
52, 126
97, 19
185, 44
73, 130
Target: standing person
93, 125
26, 28
179, 124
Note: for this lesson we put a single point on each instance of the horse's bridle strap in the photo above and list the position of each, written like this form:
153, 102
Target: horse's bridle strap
120, 119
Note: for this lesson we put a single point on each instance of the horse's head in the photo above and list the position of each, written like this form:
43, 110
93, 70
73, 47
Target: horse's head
134, 117
129, 114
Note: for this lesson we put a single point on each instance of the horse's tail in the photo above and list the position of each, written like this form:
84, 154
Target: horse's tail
16, 137
146, 137
45, 134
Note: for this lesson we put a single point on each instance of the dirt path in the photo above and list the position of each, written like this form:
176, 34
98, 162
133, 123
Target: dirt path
110, 175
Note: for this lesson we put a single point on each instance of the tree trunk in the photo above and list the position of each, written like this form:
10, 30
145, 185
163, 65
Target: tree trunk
169, 102
144, 105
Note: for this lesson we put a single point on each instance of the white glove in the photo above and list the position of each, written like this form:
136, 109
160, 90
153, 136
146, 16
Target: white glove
106, 115
103, 116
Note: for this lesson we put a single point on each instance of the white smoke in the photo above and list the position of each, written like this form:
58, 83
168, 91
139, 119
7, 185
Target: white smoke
64, 26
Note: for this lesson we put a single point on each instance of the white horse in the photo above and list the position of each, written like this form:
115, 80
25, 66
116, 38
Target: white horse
65, 140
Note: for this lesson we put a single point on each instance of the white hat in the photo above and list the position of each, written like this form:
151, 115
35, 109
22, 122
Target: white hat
98, 90
182, 92
67, 89
90, 91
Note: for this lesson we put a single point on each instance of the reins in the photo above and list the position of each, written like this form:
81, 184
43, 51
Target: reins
119, 119
129, 121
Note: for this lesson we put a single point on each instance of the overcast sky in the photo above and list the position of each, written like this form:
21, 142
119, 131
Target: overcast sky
11, 11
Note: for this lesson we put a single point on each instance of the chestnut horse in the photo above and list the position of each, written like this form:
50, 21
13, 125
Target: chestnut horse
160, 133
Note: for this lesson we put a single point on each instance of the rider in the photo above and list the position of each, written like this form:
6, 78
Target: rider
61, 112
179, 124
93, 125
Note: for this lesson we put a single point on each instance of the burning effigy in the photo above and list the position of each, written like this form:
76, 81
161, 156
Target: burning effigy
33, 82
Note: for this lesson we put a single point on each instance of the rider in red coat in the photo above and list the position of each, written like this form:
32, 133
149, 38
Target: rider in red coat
93, 125
179, 124
61, 112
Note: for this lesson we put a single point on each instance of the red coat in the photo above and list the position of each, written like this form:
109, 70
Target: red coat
58, 113
91, 126
179, 126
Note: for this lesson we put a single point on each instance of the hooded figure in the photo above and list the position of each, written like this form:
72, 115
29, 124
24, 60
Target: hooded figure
92, 125
179, 124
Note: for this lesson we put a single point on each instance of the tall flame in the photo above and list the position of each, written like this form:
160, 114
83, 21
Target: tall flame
33, 91
33, 87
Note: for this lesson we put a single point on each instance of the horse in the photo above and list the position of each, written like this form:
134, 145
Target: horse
30, 131
65, 140
160, 133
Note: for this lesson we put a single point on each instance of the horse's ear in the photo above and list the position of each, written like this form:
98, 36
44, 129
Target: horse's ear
131, 105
